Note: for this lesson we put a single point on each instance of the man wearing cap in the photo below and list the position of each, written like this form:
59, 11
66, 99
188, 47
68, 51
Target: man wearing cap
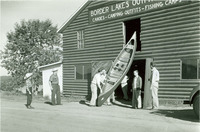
29, 90
55, 88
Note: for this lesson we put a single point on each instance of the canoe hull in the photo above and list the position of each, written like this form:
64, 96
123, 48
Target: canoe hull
118, 70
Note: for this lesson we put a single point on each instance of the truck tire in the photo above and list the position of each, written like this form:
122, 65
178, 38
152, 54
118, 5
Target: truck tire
196, 105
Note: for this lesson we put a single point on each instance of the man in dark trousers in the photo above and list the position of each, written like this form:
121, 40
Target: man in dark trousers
136, 89
29, 90
55, 88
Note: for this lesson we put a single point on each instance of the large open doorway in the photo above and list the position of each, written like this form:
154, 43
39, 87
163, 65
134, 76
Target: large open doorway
136, 65
140, 66
143, 66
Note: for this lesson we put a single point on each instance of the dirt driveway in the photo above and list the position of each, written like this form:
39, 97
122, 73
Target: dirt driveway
78, 117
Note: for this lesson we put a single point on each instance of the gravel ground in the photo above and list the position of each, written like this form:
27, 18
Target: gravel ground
75, 116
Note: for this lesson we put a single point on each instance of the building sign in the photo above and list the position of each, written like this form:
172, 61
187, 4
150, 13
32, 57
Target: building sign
126, 8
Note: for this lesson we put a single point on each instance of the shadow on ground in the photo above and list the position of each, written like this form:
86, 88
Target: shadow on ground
84, 102
122, 103
47, 102
185, 114
118, 102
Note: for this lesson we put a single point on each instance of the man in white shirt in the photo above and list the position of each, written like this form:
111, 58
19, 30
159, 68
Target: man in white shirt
96, 83
154, 86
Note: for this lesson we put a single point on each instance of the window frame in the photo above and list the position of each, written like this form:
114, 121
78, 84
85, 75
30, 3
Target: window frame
80, 39
181, 68
82, 72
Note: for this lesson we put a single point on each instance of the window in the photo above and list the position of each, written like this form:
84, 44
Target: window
83, 72
190, 68
80, 39
79, 71
87, 71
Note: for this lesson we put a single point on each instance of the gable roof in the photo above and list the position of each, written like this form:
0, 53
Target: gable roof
41, 68
66, 24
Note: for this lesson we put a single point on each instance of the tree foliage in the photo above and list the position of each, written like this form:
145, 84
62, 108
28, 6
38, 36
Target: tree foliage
33, 43
6, 83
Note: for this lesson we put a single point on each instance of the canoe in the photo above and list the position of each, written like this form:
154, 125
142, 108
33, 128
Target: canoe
118, 70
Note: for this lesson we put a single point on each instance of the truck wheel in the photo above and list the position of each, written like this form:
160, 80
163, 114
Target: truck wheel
196, 105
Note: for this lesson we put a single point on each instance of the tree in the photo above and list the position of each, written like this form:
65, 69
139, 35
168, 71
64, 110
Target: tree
6, 83
32, 43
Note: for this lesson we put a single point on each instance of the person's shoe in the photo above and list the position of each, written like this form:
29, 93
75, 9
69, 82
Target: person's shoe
53, 104
92, 105
31, 107
109, 104
105, 103
125, 99
148, 108
114, 101
26, 105
154, 108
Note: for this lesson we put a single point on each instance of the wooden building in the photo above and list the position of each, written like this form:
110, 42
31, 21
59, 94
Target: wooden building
167, 33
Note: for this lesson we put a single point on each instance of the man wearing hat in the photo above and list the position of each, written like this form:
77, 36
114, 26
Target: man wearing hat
55, 88
29, 90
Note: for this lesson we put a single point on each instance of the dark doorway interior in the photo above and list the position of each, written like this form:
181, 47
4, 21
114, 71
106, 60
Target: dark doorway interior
140, 66
130, 27
136, 65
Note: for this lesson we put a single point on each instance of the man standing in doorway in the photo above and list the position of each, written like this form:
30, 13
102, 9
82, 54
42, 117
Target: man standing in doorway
154, 86
124, 86
136, 89
55, 88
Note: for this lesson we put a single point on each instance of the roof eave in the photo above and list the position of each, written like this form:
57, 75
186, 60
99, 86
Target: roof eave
66, 24
48, 65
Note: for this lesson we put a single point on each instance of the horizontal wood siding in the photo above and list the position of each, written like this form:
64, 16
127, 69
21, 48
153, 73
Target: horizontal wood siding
170, 36
98, 46
167, 35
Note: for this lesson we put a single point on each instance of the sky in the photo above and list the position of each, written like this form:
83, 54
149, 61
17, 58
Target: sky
13, 11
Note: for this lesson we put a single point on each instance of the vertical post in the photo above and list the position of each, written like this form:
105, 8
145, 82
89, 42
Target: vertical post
147, 102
